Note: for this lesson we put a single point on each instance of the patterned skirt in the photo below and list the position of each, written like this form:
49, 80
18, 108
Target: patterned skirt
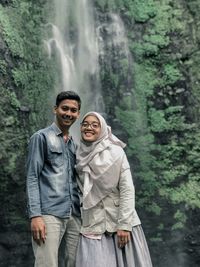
105, 252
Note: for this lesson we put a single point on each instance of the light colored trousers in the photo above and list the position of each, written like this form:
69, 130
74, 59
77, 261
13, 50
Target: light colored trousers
57, 229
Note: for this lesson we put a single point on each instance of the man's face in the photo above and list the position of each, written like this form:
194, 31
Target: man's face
66, 113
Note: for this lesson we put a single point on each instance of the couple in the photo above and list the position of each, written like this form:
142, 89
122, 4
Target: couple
97, 174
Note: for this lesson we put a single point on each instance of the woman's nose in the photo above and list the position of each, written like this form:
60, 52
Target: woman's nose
89, 125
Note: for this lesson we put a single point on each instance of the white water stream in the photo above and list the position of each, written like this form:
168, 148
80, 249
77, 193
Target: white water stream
77, 42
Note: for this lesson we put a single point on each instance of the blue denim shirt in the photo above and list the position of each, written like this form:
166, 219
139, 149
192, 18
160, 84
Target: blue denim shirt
51, 179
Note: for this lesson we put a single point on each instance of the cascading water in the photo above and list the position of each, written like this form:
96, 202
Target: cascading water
75, 44
78, 42
65, 54
114, 53
112, 34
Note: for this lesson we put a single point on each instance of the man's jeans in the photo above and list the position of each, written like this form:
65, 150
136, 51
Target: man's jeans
57, 229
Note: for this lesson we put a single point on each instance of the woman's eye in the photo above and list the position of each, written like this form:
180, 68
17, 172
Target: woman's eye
95, 125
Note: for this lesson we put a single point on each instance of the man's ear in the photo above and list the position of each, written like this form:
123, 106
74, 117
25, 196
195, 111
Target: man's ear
54, 109
78, 114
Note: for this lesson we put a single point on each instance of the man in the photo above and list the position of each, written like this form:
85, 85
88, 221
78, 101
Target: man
53, 202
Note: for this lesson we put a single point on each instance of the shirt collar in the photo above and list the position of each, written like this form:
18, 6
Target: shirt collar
58, 131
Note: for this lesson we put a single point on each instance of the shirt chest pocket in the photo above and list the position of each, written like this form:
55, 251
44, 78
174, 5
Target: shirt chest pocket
56, 156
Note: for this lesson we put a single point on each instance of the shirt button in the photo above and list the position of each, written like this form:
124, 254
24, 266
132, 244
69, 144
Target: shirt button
101, 205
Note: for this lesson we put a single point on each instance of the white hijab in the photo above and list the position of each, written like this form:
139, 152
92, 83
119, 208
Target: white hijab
97, 165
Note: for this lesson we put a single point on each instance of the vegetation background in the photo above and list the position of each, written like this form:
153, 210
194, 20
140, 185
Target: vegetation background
156, 111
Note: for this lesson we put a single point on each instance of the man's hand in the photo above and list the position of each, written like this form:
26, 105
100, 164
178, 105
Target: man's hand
38, 230
123, 238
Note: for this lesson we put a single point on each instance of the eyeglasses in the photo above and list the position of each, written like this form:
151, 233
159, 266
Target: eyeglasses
94, 125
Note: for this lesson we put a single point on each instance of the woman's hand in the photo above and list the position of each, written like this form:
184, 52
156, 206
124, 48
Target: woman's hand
123, 238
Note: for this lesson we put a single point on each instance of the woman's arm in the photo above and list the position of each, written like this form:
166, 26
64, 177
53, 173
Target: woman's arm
127, 204
127, 197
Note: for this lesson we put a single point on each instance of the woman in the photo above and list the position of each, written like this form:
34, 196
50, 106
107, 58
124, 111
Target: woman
111, 232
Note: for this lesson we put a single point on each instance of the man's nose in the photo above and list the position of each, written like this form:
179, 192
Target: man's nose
68, 112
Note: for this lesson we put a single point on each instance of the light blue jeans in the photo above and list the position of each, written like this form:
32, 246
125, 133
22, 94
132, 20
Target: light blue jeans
58, 230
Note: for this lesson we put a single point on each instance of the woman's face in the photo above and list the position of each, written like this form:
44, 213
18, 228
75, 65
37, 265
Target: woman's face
90, 129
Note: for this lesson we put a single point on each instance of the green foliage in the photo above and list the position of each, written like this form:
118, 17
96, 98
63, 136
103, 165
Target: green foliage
154, 208
193, 66
157, 40
141, 10
194, 7
12, 37
144, 49
160, 116
187, 192
25, 84
9, 154
145, 80
178, 169
14, 101
170, 119
171, 74
3, 67
158, 121
176, 20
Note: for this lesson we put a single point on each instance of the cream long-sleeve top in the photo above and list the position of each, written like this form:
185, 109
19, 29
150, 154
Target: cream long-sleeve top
116, 211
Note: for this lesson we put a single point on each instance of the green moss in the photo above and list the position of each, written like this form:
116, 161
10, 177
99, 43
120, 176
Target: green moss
157, 120
157, 39
187, 192
145, 79
141, 10
141, 50
171, 74
3, 66
15, 103
154, 208
12, 37
25, 85
180, 216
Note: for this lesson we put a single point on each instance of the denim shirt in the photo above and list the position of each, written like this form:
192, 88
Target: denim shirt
51, 179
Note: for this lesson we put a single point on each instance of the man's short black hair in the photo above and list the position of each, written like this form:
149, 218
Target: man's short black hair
68, 95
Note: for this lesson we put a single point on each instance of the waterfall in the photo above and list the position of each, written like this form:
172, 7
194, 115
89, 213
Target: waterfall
112, 34
74, 41
68, 72
78, 41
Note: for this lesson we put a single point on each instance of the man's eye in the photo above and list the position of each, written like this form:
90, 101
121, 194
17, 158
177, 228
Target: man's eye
65, 108
74, 110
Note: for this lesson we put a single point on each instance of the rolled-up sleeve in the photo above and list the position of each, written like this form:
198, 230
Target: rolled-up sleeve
127, 197
34, 165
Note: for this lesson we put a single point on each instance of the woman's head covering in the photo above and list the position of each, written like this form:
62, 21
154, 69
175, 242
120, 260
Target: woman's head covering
95, 163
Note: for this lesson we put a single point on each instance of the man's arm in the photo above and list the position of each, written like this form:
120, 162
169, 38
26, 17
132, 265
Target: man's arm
35, 162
